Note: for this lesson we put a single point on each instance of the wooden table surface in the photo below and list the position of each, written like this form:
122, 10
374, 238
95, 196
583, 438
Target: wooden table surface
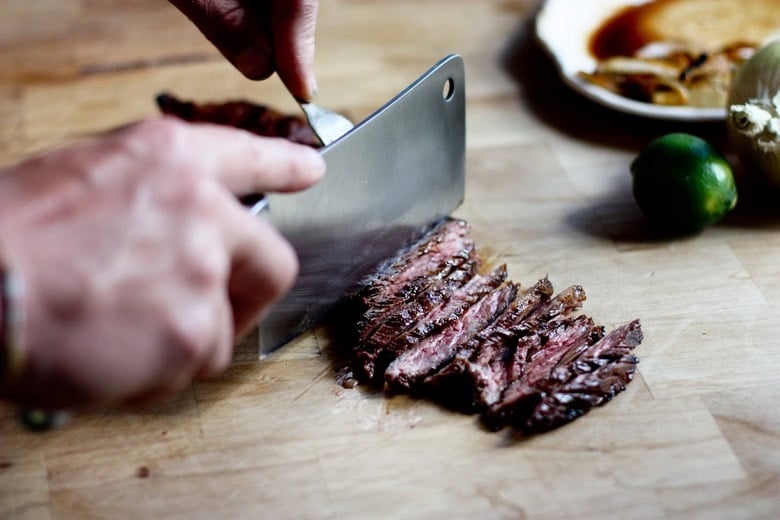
696, 435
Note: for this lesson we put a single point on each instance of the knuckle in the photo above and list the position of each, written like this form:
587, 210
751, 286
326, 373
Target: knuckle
165, 174
159, 138
221, 360
190, 335
193, 192
162, 130
206, 265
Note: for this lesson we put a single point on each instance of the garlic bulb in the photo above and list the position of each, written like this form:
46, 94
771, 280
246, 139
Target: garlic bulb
753, 117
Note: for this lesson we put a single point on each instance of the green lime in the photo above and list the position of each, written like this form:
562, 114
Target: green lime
682, 183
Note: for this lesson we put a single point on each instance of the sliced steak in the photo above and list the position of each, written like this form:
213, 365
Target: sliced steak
538, 355
527, 304
459, 302
379, 342
373, 360
478, 373
408, 315
431, 323
589, 379
398, 308
442, 251
440, 244
413, 365
563, 304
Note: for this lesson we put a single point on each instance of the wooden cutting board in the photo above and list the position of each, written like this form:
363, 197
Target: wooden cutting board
696, 435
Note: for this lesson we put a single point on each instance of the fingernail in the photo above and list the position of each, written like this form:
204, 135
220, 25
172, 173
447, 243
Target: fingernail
313, 88
309, 91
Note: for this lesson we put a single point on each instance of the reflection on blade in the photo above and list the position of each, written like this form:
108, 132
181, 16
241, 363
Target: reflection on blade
348, 261
388, 180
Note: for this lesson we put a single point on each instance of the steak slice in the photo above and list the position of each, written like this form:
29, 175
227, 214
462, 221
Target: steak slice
413, 365
402, 319
583, 381
373, 361
460, 301
564, 303
408, 314
479, 372
440, 247
537, 355
397, 310
258, 119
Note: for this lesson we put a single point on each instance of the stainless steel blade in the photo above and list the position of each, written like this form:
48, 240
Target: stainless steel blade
388, 179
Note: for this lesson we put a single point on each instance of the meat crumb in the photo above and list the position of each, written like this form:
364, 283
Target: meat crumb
346, 378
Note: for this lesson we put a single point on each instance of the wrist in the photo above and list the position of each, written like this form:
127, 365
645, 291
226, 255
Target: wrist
12, 353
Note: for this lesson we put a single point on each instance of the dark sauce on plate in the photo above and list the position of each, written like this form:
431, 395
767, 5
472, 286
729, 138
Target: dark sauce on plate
624, 32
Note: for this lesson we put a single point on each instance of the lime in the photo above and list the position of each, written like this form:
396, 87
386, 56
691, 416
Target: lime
682, 183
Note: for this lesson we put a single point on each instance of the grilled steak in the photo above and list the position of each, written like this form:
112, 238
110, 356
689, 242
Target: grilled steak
258, 119
428, 355
453, 273
410, 320
402, 301
480, 371
584, 378
433, 324
537, 356
444, 246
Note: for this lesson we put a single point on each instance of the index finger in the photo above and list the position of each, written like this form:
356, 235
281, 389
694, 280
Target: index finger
241, 161
293, 25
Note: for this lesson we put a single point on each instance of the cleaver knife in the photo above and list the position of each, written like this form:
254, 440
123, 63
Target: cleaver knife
389, 179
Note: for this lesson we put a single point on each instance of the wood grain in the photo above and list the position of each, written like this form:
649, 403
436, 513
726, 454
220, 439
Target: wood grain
696, 435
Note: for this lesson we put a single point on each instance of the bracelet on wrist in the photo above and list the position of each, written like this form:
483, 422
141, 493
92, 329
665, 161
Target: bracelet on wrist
12, 355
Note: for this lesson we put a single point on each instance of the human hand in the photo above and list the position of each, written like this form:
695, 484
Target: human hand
261, 38
139, 265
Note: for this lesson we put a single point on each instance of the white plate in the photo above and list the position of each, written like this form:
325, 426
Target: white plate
565, 28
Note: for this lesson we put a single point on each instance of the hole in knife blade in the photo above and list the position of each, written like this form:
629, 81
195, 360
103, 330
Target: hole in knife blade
448, 89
